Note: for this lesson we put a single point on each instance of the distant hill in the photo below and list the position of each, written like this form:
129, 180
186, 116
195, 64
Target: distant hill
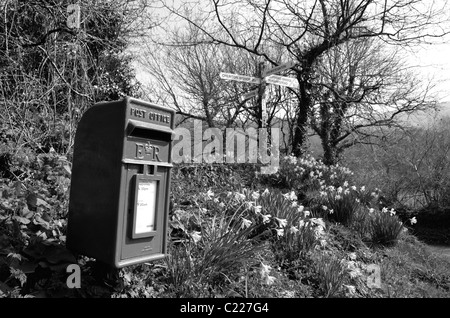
426, 119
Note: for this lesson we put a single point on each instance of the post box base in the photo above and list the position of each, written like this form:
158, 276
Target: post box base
138, 260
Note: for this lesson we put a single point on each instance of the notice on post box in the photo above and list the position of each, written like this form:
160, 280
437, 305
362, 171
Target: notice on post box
145, 207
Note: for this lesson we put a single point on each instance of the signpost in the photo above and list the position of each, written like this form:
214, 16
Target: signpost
267, 76
240, 78
282, 81
250, 94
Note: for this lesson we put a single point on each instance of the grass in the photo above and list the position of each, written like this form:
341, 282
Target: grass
258, 242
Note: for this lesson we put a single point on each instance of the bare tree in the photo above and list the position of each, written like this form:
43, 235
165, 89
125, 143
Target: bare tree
360, 87
186, 76
308, 29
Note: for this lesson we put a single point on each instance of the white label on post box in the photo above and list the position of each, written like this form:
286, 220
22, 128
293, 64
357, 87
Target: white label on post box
145, 209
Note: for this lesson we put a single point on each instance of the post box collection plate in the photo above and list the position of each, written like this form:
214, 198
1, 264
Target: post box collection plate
119, 196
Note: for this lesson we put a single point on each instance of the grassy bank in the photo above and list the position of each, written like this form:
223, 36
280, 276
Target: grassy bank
307, 231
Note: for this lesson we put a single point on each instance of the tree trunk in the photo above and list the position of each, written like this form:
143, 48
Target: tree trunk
304, 105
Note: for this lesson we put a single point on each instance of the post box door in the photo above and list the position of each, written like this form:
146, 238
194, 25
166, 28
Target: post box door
143, 224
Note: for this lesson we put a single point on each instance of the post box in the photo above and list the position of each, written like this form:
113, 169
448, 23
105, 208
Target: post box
119, 195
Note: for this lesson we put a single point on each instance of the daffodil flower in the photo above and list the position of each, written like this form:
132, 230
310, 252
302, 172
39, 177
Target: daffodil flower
413, 220
293, 230
269, 280
255, 195
257, 209
245, 223
281, 222
266, 218
239, 196
196, 236
265, 269
209, 194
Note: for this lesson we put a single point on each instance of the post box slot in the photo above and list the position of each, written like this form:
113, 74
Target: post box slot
148, 131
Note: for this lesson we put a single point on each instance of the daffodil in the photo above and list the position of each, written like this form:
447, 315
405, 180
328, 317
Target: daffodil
281, 222
269, 280
266, 218
265, 269
196, 236
209, 194
245, 223
293, 230
413, 220
239, 196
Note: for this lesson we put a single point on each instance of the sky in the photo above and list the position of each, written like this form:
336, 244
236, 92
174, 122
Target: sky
433, 61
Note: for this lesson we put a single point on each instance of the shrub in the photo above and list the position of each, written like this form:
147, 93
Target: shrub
215, 244
295, 242
305, 174
332, 275
385, 227
340, 205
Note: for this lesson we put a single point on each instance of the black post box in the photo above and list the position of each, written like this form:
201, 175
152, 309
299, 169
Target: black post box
119, 195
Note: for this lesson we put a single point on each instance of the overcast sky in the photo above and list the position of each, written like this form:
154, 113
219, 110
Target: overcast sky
433, 61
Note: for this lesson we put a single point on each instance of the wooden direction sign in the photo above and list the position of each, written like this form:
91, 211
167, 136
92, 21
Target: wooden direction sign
250, 94
282, 80
278, 68
240, 78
